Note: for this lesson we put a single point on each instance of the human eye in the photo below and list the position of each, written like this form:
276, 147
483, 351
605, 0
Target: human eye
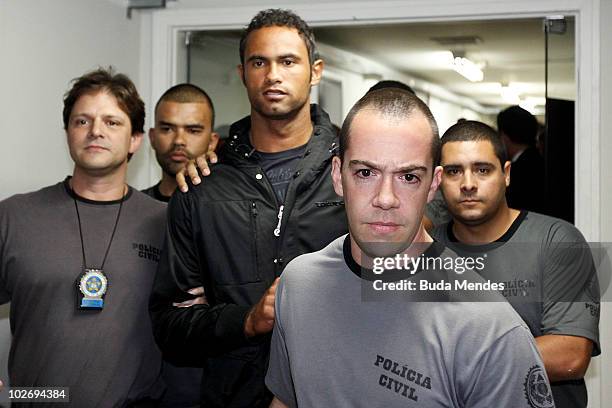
363, 173
257, 63
483, 170
410, 178
112, 123
288, 62
451, 171
79, 121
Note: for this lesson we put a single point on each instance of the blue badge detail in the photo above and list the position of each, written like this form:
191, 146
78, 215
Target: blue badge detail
537, 390
93, 285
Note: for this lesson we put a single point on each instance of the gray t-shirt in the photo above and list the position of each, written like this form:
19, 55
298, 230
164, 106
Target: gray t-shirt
332, 348
550, 280
108, 357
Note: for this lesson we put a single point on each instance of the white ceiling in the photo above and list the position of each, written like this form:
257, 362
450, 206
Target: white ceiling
512, 52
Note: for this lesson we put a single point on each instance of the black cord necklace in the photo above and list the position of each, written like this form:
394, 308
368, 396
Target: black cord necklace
92, 283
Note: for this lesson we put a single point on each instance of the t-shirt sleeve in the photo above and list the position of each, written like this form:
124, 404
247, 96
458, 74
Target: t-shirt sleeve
279, 379
571, 287
509, 373
5, 296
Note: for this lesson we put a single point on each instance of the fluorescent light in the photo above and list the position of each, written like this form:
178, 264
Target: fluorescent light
468, 69
534, 105
510, 95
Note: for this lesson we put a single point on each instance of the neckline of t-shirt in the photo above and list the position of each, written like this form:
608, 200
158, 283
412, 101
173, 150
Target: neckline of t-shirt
504, 238
158, 194
77, 197
294, 151
433, 251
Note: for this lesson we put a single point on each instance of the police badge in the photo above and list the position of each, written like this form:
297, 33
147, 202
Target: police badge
92, 283
92, 286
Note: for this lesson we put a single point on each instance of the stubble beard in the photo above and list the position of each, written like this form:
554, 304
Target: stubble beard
167, 166
285, 115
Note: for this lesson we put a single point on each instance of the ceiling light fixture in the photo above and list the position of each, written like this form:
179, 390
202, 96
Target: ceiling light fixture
509, 94
466, 67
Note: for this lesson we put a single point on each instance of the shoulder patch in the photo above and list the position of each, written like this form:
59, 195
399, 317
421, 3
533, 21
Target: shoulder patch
537, 390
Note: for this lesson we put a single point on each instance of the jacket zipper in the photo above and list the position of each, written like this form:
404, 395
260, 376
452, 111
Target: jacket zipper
277, 230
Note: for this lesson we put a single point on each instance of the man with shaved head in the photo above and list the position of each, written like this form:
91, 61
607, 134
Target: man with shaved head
337, 328
184, 120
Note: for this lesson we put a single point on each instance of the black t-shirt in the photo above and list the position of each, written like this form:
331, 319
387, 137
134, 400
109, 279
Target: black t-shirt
154, 192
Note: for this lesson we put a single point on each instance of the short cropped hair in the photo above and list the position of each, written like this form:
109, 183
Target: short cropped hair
118, 85
518, 124
187, 93
388, 83
393, 103
474, 131
280, 18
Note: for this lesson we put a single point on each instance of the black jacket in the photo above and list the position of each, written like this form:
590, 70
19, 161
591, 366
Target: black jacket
527, 189
224, 235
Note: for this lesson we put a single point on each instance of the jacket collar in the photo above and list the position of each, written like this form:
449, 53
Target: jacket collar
322, 145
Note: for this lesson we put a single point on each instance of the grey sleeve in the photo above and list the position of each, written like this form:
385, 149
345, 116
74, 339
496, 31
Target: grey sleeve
571, 288
5, 296
279, 379
510, 373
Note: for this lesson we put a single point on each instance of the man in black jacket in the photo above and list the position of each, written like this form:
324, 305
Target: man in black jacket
269, 200
518, 129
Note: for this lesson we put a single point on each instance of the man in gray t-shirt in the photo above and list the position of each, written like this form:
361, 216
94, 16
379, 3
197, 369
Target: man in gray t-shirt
335, 344
544, 263
78, 259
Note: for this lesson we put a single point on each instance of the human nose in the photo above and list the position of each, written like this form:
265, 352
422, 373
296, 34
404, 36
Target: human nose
96, 128
468, 182
385, 195
179, 137
273, 73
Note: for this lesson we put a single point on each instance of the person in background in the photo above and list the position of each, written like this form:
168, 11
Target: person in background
184, 121
527, 190
545, 264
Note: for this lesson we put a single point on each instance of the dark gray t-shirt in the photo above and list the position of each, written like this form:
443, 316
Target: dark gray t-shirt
280, 168
332, 348
550, 280
108, 357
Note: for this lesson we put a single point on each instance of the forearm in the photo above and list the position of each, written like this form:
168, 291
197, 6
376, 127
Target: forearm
565, 357
187, 336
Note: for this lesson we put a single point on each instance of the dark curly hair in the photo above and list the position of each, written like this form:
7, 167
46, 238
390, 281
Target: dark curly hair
280, 18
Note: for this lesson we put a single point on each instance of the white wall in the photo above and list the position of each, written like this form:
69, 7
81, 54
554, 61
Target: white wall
604, 365
214, 69
45, 44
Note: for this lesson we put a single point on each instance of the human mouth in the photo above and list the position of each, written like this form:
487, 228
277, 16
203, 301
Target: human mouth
383, 227
95, 148
178, 157
274, 94
469, 201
